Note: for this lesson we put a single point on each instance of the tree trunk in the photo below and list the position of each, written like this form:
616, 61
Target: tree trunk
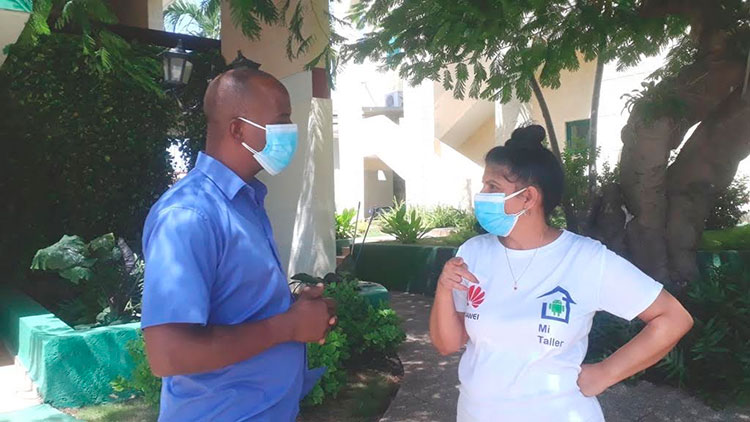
643, 173
547, 117
647, 141
704, 168
571, 219
593, 123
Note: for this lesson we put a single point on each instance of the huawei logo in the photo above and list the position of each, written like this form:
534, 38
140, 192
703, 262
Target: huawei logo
476, 296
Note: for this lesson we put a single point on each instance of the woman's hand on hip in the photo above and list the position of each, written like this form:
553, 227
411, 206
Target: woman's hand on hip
454, 271
593, 379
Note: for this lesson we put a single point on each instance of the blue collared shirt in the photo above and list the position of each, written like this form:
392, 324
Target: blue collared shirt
211, 259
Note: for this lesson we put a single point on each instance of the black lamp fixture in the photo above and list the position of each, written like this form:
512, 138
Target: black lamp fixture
177, 66
242, 62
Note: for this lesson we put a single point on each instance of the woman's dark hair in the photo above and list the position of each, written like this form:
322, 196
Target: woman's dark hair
529, 162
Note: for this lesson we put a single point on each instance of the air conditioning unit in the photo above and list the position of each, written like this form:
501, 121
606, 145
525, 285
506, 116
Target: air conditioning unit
395, 99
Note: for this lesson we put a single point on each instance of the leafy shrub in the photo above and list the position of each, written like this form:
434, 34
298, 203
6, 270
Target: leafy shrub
731, 205
106, 268
363, 333
142, 382
406, 225
371, 331
345, 223
446, 216
332, 355
712, 359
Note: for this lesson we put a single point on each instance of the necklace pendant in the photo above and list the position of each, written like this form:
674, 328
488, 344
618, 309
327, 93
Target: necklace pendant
515, 287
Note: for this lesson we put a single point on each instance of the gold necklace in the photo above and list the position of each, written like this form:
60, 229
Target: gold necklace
507, 259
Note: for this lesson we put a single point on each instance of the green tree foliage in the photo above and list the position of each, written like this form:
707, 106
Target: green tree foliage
206, 17
491, 49
107, 52
102, 51
730, 206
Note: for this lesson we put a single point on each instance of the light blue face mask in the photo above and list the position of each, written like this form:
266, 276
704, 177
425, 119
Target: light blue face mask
281, 144
490, 211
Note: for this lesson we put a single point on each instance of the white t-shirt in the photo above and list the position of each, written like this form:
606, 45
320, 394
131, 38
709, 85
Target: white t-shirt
526, 346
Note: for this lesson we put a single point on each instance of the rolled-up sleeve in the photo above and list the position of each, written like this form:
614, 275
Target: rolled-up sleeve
180, 251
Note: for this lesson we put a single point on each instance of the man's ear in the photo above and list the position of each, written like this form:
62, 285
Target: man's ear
236, 130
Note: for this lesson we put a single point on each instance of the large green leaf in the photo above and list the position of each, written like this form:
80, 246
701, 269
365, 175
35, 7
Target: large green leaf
68, 252
76, 274
105, 241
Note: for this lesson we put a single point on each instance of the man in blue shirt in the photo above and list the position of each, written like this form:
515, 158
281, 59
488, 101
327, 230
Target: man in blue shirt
220, 324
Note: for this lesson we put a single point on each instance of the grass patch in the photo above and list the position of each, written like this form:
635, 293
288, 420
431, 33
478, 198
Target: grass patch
736, 238
136, 410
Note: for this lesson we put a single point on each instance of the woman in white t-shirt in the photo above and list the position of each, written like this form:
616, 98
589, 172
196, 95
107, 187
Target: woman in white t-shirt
522, 299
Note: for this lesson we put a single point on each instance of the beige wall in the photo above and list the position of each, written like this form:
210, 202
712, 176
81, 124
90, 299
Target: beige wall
572, 101
140, 13
270, 50
378, 193
477, 145
11, 25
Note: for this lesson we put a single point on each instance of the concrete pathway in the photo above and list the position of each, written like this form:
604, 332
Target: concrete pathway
17, 392
19, 401
39, 413
429, 390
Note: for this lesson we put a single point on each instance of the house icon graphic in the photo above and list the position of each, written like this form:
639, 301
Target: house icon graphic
556, 305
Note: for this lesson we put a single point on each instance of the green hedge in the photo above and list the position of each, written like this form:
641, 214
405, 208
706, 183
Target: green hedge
85, 152
402, 268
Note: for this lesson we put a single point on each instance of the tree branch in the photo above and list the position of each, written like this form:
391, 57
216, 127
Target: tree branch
547, 117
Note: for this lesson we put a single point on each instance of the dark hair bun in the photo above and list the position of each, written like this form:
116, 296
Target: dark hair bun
529, 137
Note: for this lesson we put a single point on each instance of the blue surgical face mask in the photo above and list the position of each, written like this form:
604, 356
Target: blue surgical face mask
281, 143
490, 211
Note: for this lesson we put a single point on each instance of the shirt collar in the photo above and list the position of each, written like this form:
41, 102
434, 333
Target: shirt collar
227, 180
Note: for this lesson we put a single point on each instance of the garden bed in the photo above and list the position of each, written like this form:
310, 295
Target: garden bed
365, 398
70, 368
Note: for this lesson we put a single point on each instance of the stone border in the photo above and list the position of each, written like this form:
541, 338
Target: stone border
71, 368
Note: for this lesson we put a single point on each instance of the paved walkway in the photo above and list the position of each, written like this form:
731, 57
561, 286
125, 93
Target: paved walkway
429, 387
19, 401
16, 390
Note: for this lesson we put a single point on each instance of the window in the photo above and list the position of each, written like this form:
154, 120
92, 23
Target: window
576, 131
